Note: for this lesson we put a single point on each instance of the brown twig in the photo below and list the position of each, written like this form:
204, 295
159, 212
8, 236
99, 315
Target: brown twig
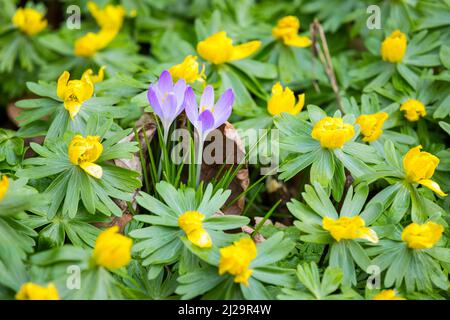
325, 58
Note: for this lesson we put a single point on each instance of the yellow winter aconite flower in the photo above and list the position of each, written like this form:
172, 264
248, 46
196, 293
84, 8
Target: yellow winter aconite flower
89, 44
219, 48
235, 259
109, 18
371, 125
414, 109
74, 92
33, 291
84, 152
287, 30
419, 167
284, 101
393, 48
332, 132
95, 77
29, 21
191, 223
4, 185
188, 70
349, 228
422, 236
112, 250
388, 295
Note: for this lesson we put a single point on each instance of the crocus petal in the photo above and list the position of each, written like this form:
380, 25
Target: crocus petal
165, 82
92, 169
244, 50
62, 83
206, 120
430, 184
169, 109
223, 108
154, 102
207, 99
190, 106
179, 89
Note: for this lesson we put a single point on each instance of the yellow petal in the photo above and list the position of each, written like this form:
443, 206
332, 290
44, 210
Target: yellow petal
244, 50
430, 184
62, 83
301, 102
370, 235
200, 238
93, 169
73, 107
298, 41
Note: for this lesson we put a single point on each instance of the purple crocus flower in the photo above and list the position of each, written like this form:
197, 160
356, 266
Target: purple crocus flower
208, 116
166, 99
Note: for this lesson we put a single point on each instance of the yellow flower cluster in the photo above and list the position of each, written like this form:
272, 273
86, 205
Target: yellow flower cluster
219, 48
110, 20
349, 228
236, 258
422, 236
29, 21
112, 250
419, 167
84, 152
414, 109
74, 92
287, 30
191, 223
284, 101
393, 48
33, 291
332, 132
388, 295
4, 185
371, 125
188, 70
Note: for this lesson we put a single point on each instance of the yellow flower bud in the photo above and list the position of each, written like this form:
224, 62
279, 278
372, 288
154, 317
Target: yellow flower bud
84, 152
74, 92
188, 70
387, 295
109, 18
4, 185
94, 78
371, 125
236, 258
191, 223
349, 228
419, 167
32, 291
29, 21
112, 250
393, 48
422, 236
219, 48
332, 132
287, 30
89, 44
414, 109
284, 101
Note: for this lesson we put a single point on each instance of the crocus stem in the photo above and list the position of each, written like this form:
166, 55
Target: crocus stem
199, 158
165, 138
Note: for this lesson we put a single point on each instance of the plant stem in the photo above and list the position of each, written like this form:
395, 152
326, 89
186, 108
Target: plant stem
199, 158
